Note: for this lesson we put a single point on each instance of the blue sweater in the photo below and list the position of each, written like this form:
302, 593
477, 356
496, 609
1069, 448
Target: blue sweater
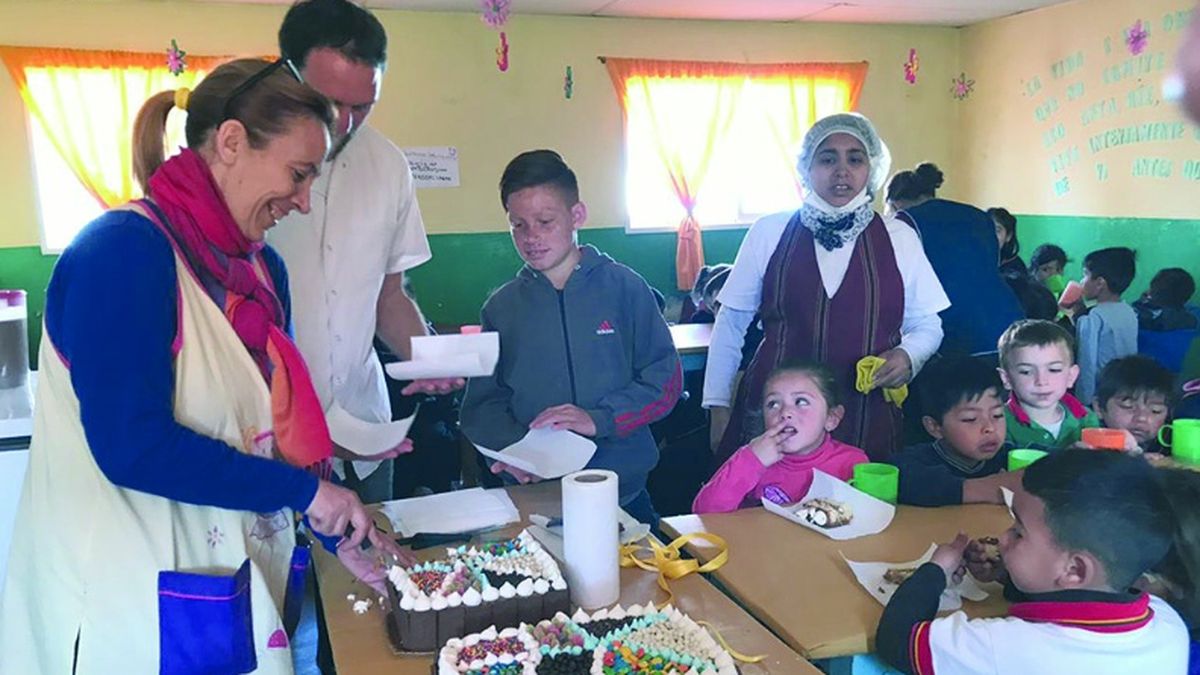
933, 475
960, 242
111, 312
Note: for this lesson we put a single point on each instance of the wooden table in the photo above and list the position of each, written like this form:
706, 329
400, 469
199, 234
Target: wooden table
360, 643
795, 581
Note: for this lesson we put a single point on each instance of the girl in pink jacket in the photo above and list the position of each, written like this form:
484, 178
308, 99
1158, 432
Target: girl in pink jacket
801, 406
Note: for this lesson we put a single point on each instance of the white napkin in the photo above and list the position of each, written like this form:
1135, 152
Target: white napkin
451, 512
870, 515
437, 356
546, 453
870, 575
362, 437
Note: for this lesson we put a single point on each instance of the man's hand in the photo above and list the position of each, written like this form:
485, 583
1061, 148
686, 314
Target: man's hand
404, 448
435, 387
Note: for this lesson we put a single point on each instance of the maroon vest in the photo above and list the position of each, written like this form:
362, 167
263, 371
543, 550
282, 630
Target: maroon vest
800, 322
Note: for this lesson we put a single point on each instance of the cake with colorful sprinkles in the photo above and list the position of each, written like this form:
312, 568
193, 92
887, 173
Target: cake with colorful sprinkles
502, 583
642, 640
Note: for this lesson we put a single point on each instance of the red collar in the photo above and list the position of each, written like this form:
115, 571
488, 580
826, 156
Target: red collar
1072, 404
1095, 616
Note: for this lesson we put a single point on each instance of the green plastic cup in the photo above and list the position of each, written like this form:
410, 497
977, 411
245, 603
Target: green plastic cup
1019, 459
881, 481
1184, 441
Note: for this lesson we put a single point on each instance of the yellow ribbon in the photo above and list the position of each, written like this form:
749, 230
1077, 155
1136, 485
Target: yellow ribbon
670, 564
864, 381
182, 95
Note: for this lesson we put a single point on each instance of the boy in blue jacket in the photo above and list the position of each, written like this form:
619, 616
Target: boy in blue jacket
583, 346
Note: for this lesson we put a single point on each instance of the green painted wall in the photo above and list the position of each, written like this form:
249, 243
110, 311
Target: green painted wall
27, 269
466, 267
1159, 243
450, 288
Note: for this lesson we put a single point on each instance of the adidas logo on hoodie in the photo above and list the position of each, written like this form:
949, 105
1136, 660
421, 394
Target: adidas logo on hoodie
605, 328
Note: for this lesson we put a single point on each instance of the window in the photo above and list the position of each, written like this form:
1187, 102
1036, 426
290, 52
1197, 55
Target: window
81, 106
721, 137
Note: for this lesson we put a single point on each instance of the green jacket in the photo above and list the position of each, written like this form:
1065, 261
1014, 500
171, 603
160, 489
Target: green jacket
1025, 433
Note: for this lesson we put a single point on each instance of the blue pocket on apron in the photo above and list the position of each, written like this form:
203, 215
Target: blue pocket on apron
204, 623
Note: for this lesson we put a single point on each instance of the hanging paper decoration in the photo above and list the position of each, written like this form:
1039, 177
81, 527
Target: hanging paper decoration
495, 15
568, 84
495, 12
502, 53
962, 87
911, 66
176, 61
1136, 38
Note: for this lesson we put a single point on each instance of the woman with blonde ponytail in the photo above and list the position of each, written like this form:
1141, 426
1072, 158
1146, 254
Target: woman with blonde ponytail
177, 431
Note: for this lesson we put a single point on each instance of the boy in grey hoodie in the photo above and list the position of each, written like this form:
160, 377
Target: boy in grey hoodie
583, 345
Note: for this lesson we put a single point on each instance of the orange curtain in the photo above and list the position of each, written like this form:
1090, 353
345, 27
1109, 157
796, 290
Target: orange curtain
792, 97
645, 89
688, 107
86, 102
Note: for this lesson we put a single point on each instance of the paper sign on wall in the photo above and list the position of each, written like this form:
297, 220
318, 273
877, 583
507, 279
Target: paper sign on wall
433, 167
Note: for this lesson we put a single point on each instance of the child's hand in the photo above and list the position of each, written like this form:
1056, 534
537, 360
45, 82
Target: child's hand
949, 557
984, 564
768, 447
565, 416
522, 477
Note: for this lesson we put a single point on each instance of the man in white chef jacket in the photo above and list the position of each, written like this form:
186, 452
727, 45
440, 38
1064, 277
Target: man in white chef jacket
347, 256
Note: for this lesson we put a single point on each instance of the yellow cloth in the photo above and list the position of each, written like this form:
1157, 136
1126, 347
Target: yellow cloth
865, 371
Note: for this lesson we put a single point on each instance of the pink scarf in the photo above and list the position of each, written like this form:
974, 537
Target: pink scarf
210, 239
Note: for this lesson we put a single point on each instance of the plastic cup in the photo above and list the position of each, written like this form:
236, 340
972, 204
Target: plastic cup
1184, 440
1072, 294
470, 329
881, 481
1104, 439
1019, 459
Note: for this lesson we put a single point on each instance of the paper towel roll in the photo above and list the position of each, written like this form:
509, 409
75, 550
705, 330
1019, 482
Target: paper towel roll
590, 532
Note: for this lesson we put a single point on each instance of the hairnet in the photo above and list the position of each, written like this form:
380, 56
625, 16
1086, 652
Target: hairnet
857, 126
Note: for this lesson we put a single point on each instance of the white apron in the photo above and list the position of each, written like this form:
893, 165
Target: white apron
86, 554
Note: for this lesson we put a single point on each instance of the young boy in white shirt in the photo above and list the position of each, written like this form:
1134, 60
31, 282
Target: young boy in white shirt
1088, 524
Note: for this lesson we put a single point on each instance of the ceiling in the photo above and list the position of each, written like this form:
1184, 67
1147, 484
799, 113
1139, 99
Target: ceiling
930, 12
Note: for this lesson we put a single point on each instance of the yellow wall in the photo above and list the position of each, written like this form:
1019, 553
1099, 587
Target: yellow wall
442, 87
1053, 87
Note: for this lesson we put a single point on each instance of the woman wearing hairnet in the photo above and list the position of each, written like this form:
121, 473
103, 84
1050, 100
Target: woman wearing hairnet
833, 282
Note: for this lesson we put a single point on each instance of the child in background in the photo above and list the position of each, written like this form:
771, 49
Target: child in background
1109, 329
1047, 264
1037, 366
964, 412
1037, 302
1135, 394
1163, 307
1011, 264
706, 309
1088, 525
800, 409
583, 346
